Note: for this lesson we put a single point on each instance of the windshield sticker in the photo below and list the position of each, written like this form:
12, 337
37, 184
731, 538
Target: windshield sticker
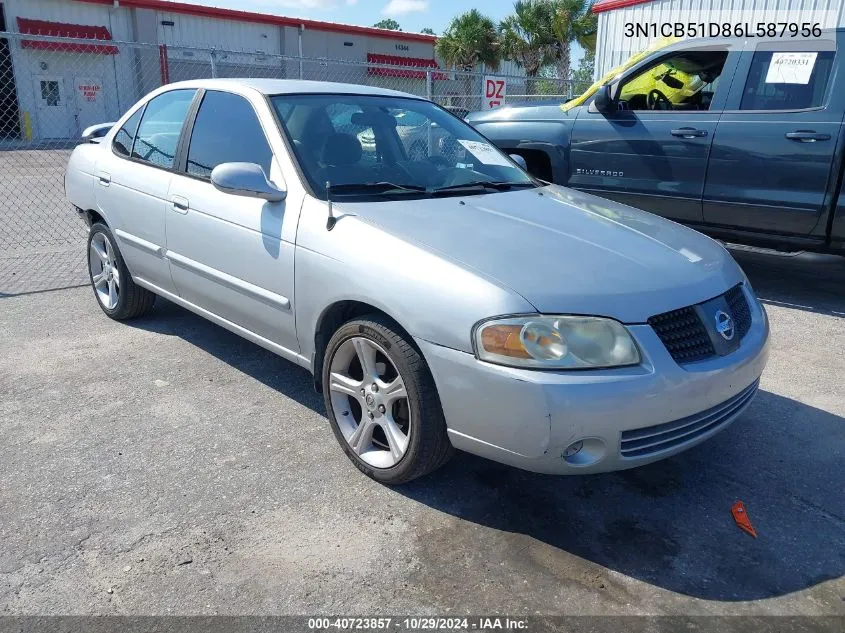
485, 153
791, 68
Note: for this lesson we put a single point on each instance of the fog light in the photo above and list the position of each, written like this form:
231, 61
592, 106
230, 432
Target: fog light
573, 449
588, 451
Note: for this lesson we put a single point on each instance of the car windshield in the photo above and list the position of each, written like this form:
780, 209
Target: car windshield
381, 146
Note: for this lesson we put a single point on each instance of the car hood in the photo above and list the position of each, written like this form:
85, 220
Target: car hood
565, 251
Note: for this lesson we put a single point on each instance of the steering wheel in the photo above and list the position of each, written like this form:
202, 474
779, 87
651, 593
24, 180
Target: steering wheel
392, 173
656, 100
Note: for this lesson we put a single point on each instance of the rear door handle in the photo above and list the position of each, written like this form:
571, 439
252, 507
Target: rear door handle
180, 204
689, 132
807, 136
104, 178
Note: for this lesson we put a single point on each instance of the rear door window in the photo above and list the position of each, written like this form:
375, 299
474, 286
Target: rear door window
788, 80
161, 126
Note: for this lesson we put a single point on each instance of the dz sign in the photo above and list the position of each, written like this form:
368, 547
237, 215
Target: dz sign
495, 90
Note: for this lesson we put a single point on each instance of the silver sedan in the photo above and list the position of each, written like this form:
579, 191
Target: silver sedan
441, 300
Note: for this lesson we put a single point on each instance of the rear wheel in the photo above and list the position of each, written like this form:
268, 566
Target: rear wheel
382, 402
118, 296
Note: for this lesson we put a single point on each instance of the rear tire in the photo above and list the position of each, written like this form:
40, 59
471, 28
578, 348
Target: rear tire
388, 418
117, 295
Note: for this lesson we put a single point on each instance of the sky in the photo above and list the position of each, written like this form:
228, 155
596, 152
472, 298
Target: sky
412, 15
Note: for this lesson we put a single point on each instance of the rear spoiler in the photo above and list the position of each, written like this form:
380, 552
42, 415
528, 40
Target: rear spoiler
95, 133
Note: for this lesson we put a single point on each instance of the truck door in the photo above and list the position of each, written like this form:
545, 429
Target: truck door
772, 160
652, 152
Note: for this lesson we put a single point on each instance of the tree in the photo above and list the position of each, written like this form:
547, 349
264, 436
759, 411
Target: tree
428, 31
583, 75
471, 39
388, 23
527, 37
572, 21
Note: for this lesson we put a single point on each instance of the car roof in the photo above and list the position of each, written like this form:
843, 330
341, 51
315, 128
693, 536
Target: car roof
288, 86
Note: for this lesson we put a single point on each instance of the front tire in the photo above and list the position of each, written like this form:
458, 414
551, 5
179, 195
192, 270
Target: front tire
382, 402
117, 295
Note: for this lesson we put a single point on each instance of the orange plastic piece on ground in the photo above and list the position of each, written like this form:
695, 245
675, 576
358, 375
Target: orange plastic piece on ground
741, 518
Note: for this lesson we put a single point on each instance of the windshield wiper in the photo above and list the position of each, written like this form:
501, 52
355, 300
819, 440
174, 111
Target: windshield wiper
481, 185
376, 187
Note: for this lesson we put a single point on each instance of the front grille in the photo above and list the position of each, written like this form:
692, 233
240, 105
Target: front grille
652, 440
740, 310
683, 334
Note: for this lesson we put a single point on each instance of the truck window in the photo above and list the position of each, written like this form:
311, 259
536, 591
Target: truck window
787, 80
685, 81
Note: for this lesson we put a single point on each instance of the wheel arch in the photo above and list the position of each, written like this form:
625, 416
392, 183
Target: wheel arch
331, 318
92, 216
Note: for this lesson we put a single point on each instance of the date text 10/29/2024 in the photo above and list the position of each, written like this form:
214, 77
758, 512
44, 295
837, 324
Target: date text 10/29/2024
478, 624
723, 29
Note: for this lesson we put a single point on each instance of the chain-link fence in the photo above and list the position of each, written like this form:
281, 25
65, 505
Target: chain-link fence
52, 88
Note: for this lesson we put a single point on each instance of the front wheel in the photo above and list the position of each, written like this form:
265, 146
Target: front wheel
382, 402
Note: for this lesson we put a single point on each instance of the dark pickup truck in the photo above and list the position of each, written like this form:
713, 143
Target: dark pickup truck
742, 140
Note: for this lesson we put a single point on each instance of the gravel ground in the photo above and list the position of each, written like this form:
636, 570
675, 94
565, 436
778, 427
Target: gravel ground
168, 467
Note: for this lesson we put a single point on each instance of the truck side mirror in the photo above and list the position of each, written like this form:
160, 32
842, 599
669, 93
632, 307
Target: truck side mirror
603, 100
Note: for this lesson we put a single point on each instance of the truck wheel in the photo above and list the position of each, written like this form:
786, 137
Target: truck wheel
118, 296
382, 402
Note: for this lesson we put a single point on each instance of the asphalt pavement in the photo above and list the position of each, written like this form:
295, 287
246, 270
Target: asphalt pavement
165, 466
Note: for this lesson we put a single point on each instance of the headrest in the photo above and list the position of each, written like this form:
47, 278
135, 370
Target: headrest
341, 149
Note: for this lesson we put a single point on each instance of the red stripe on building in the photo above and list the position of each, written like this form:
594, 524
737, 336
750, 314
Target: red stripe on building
265, 18
609, 5
60, 29
396, 60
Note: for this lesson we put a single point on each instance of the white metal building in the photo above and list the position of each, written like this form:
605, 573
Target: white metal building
52, 90
613, 47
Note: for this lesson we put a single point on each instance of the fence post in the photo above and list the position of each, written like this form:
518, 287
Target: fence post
213, 56
429, 92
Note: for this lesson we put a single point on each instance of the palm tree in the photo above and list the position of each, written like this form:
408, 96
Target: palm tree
572, 21
470, 40
527, 37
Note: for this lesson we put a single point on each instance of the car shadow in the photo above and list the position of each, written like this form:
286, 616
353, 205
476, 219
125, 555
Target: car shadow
668, 524
266, 367
804, 281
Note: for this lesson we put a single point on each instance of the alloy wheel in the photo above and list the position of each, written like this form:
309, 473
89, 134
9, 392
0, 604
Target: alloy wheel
370, 402
105, 275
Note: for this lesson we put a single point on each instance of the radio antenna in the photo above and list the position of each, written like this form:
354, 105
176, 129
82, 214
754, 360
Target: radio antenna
332, 220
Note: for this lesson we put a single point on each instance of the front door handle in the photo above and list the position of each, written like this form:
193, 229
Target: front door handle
104, 178
180, 204
689, 132
807, 136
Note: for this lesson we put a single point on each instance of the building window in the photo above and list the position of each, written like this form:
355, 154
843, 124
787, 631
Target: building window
50, 93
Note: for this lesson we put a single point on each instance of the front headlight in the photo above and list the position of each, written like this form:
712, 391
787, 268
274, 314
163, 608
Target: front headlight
555, 342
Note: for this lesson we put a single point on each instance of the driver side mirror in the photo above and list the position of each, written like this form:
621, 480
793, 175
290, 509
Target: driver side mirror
245, 179
603, 100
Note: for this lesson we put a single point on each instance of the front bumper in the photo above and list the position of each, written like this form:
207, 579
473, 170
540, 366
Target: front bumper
527, 418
